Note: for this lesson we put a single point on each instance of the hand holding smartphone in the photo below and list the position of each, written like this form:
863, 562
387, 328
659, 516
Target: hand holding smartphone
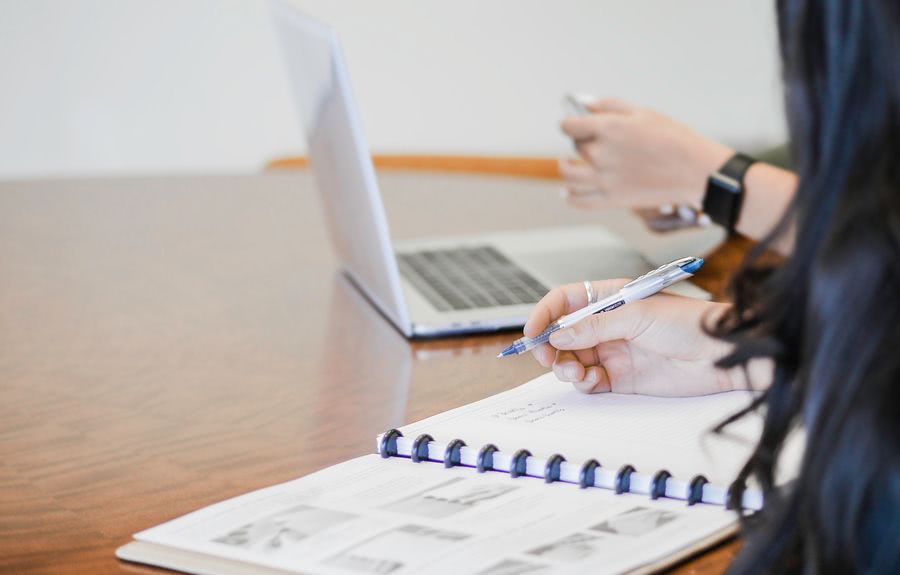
576, 104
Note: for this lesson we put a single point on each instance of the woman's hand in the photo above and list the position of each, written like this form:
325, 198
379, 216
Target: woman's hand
635, 156
654, 346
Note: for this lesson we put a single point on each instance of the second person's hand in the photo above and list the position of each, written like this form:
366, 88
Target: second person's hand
633, 156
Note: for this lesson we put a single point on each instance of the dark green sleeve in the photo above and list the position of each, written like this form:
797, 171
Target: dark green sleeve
779, 156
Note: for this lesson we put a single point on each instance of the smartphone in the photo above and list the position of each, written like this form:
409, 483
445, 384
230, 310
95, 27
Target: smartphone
576, 104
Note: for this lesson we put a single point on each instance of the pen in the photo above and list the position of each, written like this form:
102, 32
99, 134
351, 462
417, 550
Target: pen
640, 288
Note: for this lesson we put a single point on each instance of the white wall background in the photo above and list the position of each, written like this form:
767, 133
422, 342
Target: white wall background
113, 86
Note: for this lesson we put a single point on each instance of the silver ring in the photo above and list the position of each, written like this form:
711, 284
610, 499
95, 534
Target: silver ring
589, 288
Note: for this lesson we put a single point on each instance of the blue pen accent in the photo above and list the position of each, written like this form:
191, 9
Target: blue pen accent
514, 349
693, 266
519, 346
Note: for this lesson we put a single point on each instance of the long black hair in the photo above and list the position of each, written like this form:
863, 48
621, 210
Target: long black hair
829, 317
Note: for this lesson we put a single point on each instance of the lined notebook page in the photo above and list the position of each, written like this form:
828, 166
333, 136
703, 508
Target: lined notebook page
547, 416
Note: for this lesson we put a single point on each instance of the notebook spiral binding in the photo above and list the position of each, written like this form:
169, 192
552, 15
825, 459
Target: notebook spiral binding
484, 462
420, 448
388, 446
451, 454
519, 463
586, 476
623, 479
551, 469
695, 489
658, 484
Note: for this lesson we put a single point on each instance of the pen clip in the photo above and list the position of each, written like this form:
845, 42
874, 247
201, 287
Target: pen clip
649, 274
660, 271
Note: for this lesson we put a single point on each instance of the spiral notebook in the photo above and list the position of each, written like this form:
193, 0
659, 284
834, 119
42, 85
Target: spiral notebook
539, 479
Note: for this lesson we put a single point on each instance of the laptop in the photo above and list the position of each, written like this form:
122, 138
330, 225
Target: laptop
432, 287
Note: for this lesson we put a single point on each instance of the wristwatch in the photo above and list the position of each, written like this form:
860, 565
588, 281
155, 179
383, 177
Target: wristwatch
725, 191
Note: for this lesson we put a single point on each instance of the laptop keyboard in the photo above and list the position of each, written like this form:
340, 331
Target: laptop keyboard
469, 278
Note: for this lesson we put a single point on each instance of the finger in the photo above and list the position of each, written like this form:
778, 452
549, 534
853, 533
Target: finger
587, 357
624, 323
596, 380
565, 299
558, 302
610, 106
604, 288
586, 202
582, 128
567, 367
575, 172
590, 199
599, 199
583, 189
544, 354
591, 153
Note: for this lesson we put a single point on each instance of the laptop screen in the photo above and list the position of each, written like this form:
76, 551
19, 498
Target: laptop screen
340, 159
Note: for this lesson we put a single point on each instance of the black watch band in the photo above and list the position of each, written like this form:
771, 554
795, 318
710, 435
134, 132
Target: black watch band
725, 191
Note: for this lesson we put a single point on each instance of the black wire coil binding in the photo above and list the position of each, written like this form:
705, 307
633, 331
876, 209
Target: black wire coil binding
519, 463
388, 446
485, 460
623, 479
451, 454
419, 450
586, 475
695, 489
551, 470
658, 484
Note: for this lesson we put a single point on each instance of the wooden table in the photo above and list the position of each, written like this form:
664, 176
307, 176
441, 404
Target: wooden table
166, 343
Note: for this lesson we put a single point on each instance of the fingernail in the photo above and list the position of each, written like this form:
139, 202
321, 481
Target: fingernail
571, 372
582, 386
561, 338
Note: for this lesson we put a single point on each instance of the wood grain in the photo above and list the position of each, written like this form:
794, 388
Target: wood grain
520, 166
166, 343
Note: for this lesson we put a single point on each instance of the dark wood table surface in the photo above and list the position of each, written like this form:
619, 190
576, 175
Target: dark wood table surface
166, 343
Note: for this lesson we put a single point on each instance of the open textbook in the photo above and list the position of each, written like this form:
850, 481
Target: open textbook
539, 479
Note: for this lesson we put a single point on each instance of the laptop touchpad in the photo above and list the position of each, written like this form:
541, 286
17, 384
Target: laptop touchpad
559, 267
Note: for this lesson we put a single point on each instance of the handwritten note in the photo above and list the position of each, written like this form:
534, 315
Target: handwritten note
529, 413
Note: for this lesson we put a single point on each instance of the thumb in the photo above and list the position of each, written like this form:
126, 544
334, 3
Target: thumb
626, 322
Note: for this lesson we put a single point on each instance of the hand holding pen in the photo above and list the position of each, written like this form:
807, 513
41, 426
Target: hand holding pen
648, 284
655, 345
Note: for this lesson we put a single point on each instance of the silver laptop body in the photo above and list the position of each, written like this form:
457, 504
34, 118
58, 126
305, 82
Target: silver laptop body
432, 287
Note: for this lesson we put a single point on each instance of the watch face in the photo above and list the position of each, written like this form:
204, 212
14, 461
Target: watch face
723, 200
726, 182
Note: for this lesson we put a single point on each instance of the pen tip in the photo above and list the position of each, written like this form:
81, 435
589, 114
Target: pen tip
508, 351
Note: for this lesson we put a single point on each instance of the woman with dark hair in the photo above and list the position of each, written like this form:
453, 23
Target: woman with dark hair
819, 335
